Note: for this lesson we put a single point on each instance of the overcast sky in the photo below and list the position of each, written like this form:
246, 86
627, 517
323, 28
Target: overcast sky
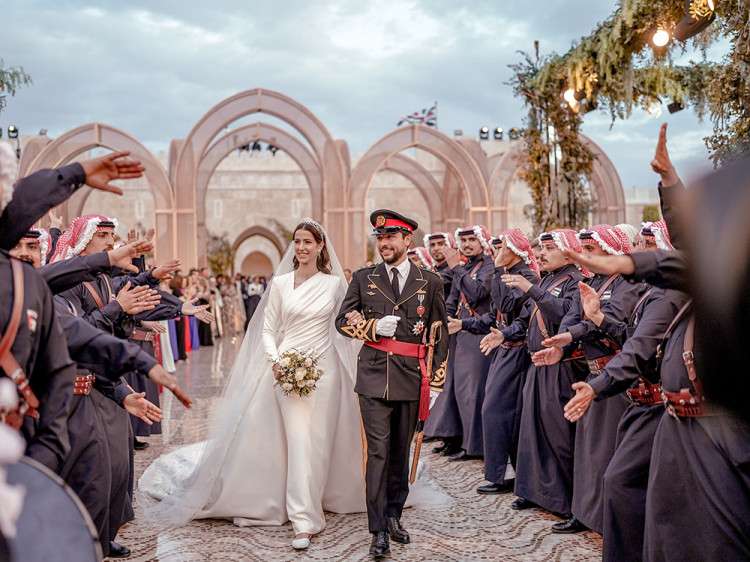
153, 68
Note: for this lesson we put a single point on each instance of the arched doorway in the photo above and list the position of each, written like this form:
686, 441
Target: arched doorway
260, 242
68, 146
194, 149
256, 263
456, 159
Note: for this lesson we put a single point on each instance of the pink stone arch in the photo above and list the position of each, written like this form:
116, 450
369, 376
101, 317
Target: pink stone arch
196, 145
68, 146
449, 152
606, 186
423, 180
247, 134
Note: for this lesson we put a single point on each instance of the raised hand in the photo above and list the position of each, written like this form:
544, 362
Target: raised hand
591, 304
154, 326
605, 265
116, 166
560, 340
122, 257
550, 356
160, 376
137, 405
577, 406
166, 270
516, 282
452, 257
134, 300
55, 221
199, 311
491, 341
662, 164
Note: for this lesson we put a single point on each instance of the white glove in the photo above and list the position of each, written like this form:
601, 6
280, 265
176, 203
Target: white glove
386, 326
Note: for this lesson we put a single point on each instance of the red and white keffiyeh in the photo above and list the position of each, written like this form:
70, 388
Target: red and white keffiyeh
613, 241
73, 241
660, 232
482, 234
449, 239
517, 242
424, 256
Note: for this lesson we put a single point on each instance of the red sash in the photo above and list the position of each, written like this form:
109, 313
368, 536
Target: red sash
418, 351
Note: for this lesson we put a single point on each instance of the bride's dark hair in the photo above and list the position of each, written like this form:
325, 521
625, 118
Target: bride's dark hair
324, 259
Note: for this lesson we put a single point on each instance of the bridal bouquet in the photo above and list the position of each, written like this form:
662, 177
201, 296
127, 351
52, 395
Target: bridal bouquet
299, 373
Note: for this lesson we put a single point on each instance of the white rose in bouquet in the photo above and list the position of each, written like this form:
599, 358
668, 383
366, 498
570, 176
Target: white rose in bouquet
300, 373
287, 386
310, 383
308, 362
284, 362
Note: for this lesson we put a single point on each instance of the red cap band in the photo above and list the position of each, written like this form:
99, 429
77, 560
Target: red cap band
396, 223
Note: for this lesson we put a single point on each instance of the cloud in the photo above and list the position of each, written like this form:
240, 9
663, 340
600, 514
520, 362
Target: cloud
154, 68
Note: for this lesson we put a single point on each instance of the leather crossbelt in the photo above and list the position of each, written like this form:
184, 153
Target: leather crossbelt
645, 394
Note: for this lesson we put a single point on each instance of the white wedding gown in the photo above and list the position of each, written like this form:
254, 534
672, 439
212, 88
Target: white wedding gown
291, 458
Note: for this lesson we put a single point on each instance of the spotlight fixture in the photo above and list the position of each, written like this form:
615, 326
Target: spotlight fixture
256, 147
661, 37
498, 133
675, 106
272, 149
12, 132
484, 133
244, 148
458, 132
514, 134
42, 132
654, 108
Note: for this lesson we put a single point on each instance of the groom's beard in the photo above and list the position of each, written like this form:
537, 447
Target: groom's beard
395, 257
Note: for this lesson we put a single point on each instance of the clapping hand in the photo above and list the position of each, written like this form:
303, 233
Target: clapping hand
137, 405
662, 164
160, 376
165, 271
492, 340
199, 311
122, 257
591, 304
116, 166
604, 265
134, 300
577, 406
452, 257
154, 326
516, 281
550, 356
454, 326
560, 340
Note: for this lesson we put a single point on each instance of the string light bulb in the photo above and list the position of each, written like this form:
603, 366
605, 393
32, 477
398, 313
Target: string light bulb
661, 37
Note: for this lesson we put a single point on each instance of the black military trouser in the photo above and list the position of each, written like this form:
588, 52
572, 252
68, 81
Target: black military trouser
389, 427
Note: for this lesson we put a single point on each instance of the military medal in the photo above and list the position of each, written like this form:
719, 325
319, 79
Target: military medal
418, 328
421, 309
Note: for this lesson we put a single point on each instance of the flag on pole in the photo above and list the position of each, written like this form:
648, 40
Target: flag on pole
428, 117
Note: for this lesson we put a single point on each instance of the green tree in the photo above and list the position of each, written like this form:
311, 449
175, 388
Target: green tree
651, 213
219, 254
11, 78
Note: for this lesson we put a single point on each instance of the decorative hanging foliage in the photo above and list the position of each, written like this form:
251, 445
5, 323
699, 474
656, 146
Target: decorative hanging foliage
616, 69
11, 79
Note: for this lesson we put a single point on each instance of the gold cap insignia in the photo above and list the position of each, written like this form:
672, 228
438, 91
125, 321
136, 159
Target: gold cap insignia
380, 221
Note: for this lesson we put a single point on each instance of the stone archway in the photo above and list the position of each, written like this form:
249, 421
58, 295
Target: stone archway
274, 242
196, 145
606, 185
66, 147
449, 152
423, 180
247, 134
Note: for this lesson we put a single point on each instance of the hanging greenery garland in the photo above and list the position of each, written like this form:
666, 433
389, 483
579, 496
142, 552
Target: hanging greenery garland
616, 68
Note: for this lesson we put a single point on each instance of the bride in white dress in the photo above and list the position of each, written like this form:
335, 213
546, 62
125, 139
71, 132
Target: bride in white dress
272, 458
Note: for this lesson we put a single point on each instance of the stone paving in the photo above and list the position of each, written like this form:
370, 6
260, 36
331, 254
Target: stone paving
471, 528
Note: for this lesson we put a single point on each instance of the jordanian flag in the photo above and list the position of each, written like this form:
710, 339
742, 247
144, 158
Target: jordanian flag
428, 117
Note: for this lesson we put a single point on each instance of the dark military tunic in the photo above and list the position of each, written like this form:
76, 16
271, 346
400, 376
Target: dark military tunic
33, 196
389, 385
501, 409
41, 351
626, 477
596, 433
544, 472
469, 298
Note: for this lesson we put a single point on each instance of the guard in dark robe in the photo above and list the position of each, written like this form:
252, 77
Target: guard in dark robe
38, 347
501, 410
469, 299
544, 467
392, 307
596, 434
444, 422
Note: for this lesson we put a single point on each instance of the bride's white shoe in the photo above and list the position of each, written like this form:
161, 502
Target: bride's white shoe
301, 542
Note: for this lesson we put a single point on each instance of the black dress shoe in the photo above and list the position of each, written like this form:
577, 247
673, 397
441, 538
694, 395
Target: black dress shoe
116, 550
504, 487
430, 439
462, 456
451, 450
440, 448
396, 531
521, 503
568, 527
380, 547
139, 445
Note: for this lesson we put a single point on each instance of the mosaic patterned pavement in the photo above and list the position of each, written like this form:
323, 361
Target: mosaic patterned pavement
471, 528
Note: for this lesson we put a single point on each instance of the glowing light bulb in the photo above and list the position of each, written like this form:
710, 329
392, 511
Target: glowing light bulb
570, 96
661, 37
710, 4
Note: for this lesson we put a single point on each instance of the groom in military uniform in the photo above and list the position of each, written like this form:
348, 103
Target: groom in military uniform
392, 307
